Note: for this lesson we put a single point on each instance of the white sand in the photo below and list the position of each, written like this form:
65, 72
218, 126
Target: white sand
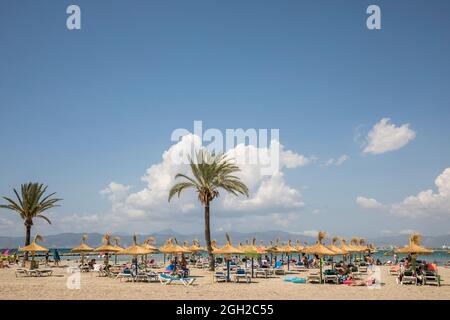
94, 287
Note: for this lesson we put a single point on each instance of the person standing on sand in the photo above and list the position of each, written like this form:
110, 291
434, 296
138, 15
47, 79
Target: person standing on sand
56, 257
47, 255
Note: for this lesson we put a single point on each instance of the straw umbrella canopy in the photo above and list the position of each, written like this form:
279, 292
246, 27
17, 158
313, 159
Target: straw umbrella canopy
344, 246
134, 250
299, 247
33, 247
320, 250
172, 247
228, 250
253, 251
107, 247
148, 244
83, 248
261, 248
336, 249
288, 249
414, 248
196, 246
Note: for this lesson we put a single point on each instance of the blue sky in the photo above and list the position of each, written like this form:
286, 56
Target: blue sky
81, 109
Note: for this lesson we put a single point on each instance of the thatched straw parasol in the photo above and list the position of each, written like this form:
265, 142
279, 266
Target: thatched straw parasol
33, 247
83, 248
253, 251
134, 249
149, 245
414, 248
107, 247
172, 247
288, 249
196, 246
299, 247
336, 249
354, 245
228, 250
320, 250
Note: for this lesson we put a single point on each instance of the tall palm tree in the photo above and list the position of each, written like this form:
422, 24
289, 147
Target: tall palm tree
30, 204
210, 173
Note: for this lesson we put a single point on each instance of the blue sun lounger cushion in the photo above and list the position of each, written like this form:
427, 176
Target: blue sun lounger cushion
299, 280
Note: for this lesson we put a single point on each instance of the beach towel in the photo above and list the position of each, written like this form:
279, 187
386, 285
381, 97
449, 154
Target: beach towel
299, 280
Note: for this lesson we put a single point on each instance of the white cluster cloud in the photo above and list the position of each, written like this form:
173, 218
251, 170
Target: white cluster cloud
368, 203
386, 136
428, 203
336, 162
425, 204
269, 194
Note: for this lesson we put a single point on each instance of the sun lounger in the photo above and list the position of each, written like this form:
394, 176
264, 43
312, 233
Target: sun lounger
362, 269
265, 272
313, 278
242, 274
408, 278
21, 271
279, 269
431, 277
394, 271
45, 272
166, 280
152, 276
220, 276
300, 267
356, 275
122, 275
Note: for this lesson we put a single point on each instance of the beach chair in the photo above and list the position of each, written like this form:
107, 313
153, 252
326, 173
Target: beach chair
152, 276
408, 278
362, 269
126, 276
431, 277
166, 280
330, 276
313, 278
265, 272
220, 276
33, 273
278, 269
46, 272
394, 270
21, 271
300, 267
242, 274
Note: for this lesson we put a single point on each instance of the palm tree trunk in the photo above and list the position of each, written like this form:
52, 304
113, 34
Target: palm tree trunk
208, 238
27, 239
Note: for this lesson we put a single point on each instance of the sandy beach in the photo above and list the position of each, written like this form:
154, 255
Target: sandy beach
94, 287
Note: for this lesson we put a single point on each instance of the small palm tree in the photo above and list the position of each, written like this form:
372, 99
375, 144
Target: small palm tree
210, 173
30, 204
